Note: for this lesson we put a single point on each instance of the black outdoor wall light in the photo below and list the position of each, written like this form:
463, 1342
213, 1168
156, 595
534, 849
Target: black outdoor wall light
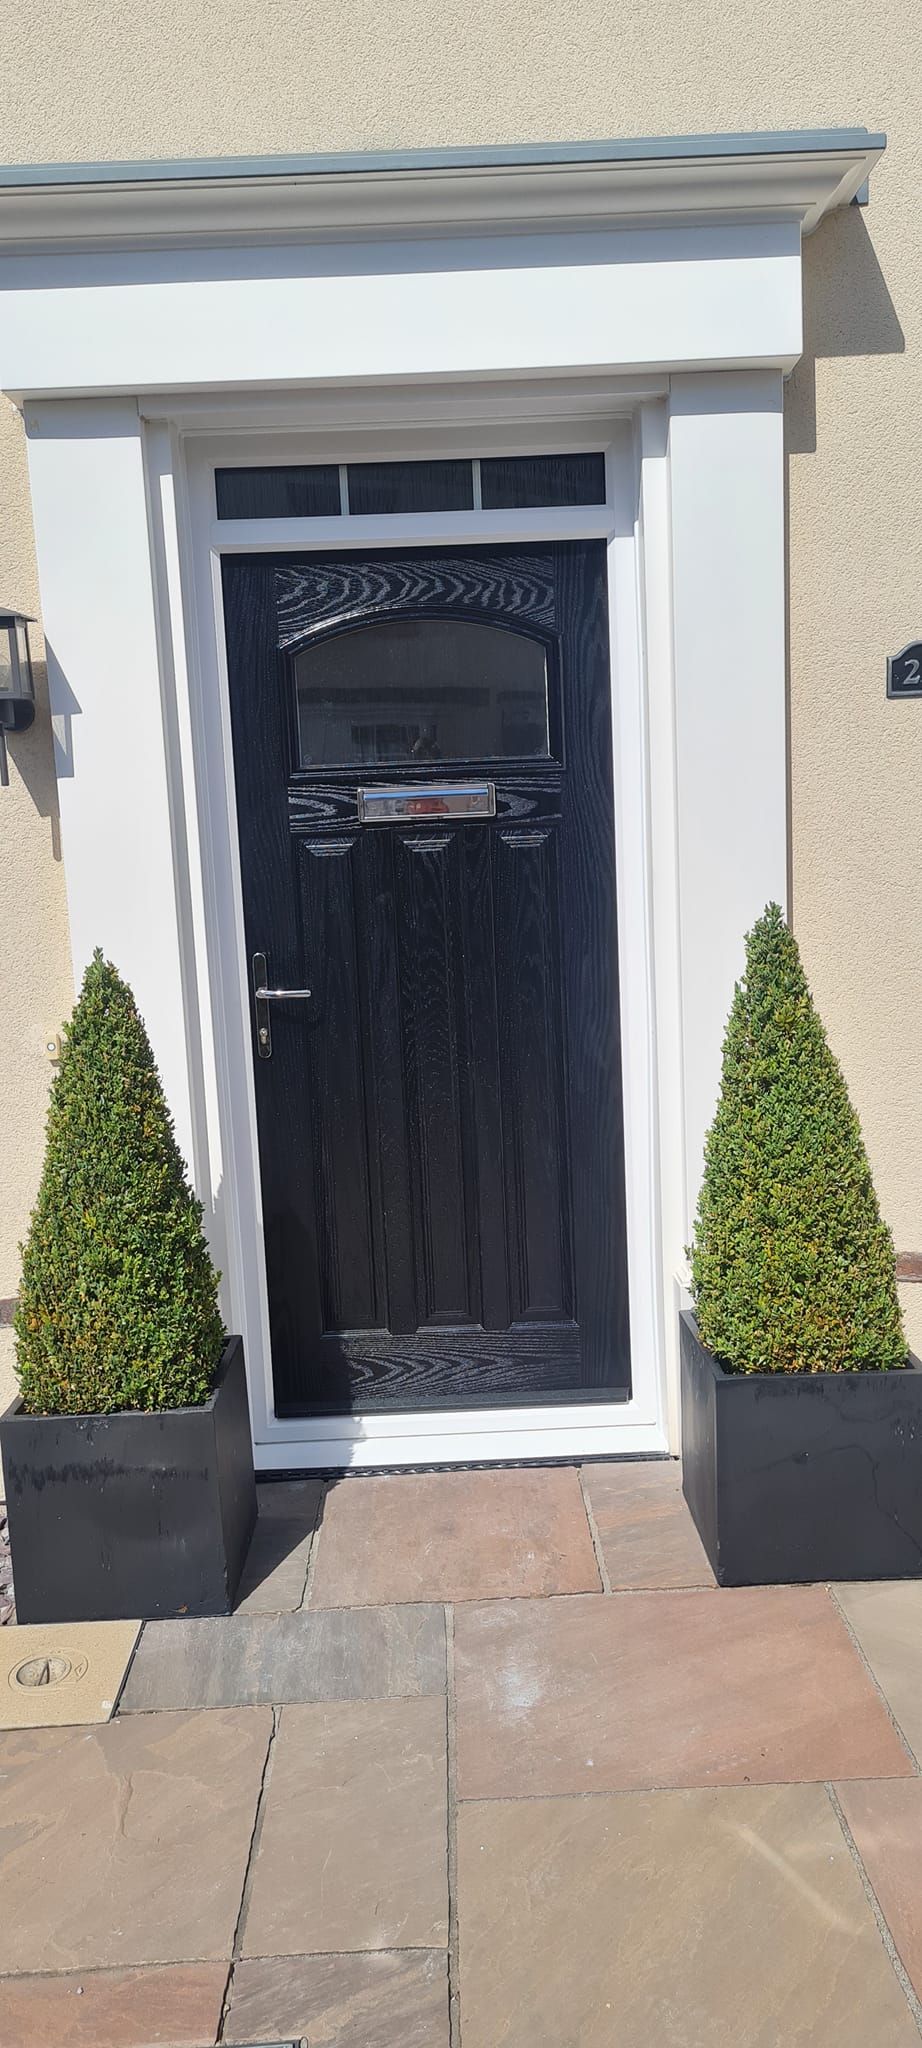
17, 690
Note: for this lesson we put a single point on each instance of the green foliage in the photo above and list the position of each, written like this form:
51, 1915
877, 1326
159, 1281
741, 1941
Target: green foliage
792, 1266
118, 1301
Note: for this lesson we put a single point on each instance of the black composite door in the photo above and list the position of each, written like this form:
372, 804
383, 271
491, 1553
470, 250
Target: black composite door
422, 747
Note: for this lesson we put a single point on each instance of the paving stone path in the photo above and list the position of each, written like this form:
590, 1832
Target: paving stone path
482, 1760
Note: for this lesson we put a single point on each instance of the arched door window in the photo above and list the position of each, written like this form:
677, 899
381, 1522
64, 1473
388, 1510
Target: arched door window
418, 690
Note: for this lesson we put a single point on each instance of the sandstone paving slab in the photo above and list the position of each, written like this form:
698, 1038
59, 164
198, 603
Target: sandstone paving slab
290, 1500
60, 1674
248, 1659
731, 1918
646, 1534
352, 1849
275, 1572
128, 1843
175, 2007
453, 1536
646, 1689
887, 1621
391, 1999
885, 1818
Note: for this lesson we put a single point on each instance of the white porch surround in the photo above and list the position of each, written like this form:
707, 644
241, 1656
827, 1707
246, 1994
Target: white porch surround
144, 363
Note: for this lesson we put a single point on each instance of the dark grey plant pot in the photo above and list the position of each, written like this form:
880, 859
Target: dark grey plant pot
131, 1516
798, 1477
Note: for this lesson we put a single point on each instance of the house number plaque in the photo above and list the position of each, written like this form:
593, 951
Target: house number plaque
904, 671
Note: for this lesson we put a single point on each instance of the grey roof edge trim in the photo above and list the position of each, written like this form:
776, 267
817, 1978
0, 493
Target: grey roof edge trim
521, 156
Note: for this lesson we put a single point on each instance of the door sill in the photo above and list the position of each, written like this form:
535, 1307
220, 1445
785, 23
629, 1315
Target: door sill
371, 1443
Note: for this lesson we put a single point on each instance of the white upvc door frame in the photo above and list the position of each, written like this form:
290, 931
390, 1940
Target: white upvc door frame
187, 545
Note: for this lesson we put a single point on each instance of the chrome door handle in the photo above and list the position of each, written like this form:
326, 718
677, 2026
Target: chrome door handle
278, 995
263, 995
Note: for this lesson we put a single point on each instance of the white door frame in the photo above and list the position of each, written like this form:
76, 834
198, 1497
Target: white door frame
188, 544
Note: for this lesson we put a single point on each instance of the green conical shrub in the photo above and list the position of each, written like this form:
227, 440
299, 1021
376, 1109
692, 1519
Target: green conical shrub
792, 1265
118, 1302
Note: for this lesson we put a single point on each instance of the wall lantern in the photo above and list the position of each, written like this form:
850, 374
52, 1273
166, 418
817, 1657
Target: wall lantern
17, 690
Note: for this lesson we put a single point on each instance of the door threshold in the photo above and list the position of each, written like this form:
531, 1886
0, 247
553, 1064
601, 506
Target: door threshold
431, 1448
270, 1477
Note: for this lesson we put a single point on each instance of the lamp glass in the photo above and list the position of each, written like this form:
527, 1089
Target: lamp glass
7, 657
24, 660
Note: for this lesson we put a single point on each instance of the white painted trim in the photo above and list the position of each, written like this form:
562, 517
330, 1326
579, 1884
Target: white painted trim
513, 414
109, 692
801, 177
640, 301
475, 1441
726, 483
459, 1435
654, 572
413, 529
635, 927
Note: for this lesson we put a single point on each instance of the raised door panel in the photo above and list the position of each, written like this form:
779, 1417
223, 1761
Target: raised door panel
334, 1076
533, 1074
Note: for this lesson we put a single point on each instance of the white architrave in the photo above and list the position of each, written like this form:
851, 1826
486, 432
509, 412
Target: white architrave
727, 510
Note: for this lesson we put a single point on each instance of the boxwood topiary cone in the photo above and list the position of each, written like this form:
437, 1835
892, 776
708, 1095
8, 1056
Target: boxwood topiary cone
792, 1266
118, 1301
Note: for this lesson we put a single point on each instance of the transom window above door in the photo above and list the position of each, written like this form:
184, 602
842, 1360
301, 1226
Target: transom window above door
422, 690
357, 489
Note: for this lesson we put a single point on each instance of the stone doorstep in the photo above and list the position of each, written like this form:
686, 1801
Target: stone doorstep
516, 1533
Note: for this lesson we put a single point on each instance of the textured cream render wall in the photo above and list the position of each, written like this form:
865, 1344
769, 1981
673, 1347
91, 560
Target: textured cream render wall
176, 78
35, 974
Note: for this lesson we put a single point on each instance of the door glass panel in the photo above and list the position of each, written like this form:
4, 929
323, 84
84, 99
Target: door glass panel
409, 487
515, 480
288, 492
421, 690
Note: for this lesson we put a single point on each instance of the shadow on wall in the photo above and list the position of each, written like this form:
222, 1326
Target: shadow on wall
37, 754
848, 311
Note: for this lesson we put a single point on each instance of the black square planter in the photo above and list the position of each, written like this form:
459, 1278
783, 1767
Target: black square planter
113, 1517
796, 1477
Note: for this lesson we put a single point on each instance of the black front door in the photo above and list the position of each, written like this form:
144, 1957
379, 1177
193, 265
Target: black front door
422, 747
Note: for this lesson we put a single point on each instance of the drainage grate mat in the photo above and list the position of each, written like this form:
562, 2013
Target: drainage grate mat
63, 1674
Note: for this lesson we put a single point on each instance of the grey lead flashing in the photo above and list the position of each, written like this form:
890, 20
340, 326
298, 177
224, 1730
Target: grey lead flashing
650, 149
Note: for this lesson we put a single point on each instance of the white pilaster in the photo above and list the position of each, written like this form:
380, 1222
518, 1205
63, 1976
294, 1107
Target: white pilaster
727, 500
94, 555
